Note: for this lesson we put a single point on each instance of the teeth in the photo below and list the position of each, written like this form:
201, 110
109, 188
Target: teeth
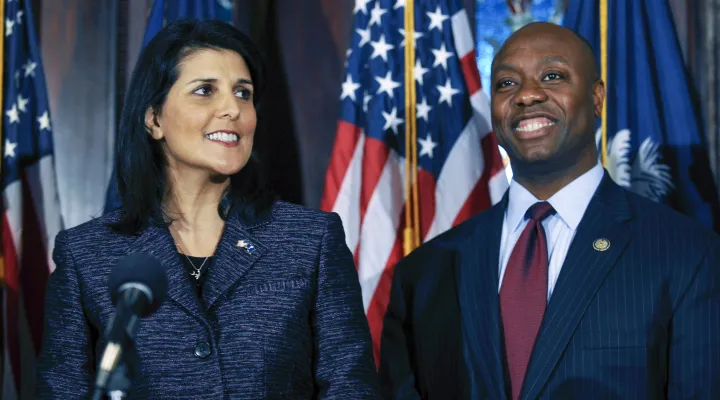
223, 137
534, 126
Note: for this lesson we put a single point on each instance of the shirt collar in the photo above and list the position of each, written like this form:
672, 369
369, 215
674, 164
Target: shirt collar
570, 202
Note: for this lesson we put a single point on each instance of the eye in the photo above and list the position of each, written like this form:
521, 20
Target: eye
204, 90
552, 76
244, 93
504, 83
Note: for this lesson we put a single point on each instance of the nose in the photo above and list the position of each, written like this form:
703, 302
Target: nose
228, 106
530, 94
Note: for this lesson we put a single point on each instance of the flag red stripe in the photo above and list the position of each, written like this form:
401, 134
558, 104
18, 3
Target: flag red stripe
470, 72
426, 197
479, 198
342, 154
356, 255
12, 300
35, 270
493, 160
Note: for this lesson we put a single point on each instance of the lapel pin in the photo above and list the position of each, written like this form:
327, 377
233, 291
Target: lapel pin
243, 244
601, 244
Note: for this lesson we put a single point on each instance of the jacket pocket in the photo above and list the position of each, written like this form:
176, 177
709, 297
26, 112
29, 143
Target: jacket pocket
273, 285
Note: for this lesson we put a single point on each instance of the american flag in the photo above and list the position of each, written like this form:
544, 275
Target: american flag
31, 216
460, 170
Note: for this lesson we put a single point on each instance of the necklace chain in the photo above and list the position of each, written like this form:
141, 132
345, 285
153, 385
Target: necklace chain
197, 271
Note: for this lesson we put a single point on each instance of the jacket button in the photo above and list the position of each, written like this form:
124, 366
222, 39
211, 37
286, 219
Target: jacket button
202, 349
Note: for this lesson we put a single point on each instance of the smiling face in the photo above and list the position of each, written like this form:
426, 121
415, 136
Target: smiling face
208, 119
545, 98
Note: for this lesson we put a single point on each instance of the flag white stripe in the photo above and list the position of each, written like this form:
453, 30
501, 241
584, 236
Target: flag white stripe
347, 202
481, 112
462, 170
498, 185
379, 229
12, 197
461, 33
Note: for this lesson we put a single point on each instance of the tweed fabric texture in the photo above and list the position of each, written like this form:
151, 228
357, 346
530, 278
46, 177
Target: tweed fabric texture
283, 319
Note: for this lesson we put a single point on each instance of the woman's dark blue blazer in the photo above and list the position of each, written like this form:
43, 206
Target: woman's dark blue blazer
280, 317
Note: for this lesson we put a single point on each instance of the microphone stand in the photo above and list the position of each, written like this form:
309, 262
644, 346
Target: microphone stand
117, 386
119, 381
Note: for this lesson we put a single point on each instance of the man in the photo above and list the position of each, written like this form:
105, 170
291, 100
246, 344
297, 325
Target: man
570, 287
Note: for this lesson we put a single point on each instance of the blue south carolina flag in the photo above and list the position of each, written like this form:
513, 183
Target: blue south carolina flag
170, 10
655, 143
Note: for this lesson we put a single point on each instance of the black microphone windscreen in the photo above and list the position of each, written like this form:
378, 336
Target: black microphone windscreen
140, 268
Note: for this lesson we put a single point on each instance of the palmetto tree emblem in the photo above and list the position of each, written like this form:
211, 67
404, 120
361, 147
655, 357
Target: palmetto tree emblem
646, 176
226, 4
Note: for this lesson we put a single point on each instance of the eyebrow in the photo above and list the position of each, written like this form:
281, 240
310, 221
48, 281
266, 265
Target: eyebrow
244, 81
502, 67
544, 60
554, 59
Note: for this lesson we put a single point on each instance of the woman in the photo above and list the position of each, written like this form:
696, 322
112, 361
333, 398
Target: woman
263, 299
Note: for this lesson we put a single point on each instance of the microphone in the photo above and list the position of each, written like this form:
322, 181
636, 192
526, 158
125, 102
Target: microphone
138, 285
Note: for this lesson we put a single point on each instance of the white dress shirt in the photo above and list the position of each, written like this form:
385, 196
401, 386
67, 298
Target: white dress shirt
569, 203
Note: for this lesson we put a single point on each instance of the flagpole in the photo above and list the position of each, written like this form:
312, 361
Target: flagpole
604, 73
412, 219
410, 44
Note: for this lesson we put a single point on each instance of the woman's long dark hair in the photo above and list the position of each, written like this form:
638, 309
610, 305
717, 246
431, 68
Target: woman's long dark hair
141, 163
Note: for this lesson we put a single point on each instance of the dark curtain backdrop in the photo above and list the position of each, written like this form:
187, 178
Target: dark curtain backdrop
305, 42
276, 139
699, 26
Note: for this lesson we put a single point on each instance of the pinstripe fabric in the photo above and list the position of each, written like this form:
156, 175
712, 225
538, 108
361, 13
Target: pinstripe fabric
421, 347
639, 320
480, 303
283, 322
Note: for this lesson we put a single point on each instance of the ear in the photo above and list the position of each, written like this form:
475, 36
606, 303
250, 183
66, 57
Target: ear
151, 124
598, 97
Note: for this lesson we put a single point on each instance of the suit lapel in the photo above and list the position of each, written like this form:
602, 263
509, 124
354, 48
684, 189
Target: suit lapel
478, 298
158, 242
236, 253
583, 271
